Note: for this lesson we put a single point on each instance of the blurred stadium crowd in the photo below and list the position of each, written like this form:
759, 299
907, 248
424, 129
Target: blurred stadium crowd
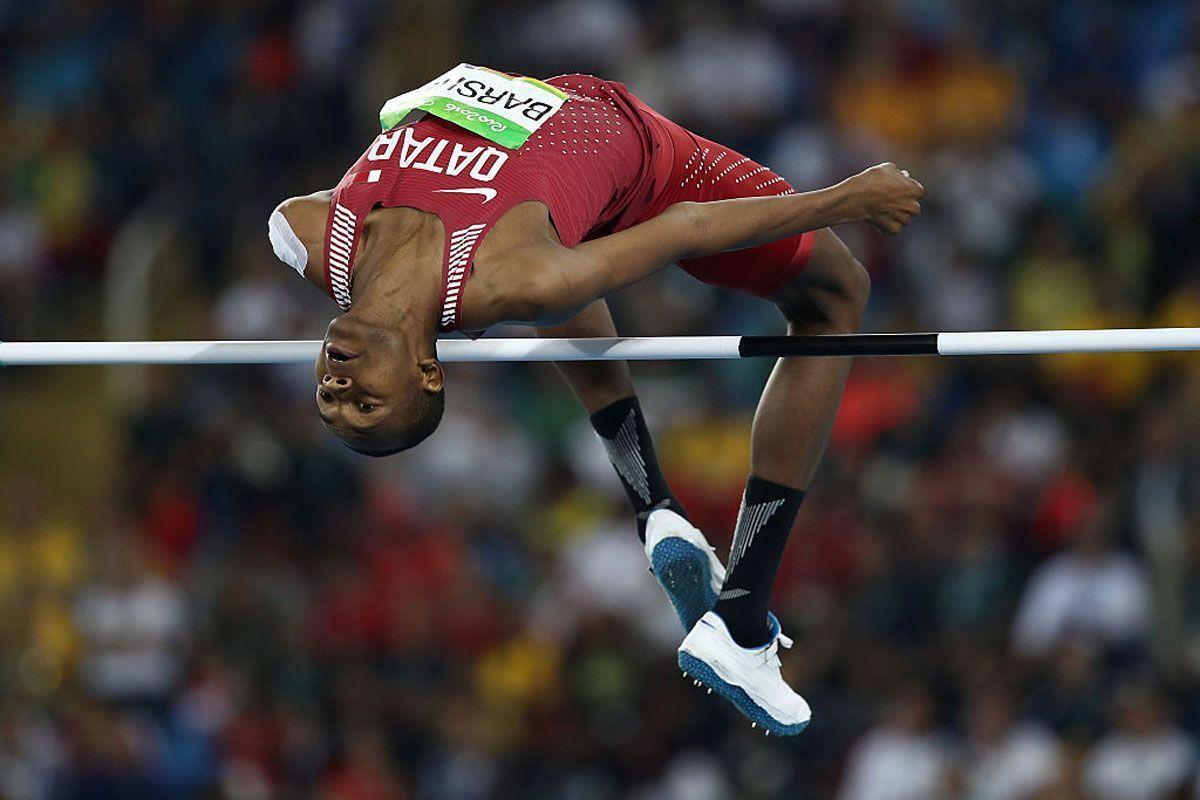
994, 585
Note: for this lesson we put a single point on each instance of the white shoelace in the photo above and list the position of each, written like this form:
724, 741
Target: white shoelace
771, 654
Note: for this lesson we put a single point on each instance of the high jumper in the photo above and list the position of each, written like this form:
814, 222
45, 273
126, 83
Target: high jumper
493, 198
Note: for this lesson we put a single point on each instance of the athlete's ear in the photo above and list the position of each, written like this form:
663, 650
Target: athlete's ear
432, 377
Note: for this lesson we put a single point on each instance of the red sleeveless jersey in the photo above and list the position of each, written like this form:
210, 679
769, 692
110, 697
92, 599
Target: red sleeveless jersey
590, 164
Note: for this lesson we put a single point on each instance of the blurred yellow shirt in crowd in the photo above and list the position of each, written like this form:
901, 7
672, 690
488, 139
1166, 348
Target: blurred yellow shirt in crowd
1061, 293
513, 676
962, 99
708, 453
38, 571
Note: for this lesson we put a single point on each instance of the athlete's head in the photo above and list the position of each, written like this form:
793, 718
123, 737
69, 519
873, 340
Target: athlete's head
374, 391
378, 388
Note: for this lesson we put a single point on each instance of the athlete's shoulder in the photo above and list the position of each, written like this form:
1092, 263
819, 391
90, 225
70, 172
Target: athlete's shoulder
296, 229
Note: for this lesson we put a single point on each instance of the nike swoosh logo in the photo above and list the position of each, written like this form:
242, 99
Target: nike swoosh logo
488, 194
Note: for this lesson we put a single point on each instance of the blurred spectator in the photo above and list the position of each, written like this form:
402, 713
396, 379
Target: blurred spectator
365, 773
1145, 757
134, 624
1092, 590
31, 753
904, 757
1004, 759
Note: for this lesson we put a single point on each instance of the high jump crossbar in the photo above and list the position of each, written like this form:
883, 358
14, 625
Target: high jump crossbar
651, 348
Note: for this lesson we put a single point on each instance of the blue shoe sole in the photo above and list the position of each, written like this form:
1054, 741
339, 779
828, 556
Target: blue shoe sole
695, 668
683, 571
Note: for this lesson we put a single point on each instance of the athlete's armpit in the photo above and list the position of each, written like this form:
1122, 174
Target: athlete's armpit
535, 284
545, 283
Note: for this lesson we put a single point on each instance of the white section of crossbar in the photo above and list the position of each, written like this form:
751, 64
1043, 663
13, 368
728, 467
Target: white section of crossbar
1108, 340
287, 352
631, 348
186, 352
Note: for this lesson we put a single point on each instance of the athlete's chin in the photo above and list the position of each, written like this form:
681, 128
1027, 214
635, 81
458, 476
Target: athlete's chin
358, 335
346, 334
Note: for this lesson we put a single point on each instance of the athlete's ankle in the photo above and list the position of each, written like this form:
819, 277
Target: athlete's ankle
622, 429
764, 522
748, 630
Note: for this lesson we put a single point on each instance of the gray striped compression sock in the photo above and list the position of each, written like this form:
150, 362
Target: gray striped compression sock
766, 517
622, 429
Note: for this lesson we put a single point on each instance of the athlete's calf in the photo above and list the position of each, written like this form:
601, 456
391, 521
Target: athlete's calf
791, 427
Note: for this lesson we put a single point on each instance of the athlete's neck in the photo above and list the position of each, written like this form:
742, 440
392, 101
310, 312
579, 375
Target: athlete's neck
397, 280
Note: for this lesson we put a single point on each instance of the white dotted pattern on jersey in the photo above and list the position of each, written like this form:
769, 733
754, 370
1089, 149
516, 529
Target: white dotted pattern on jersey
562, 130
698, 167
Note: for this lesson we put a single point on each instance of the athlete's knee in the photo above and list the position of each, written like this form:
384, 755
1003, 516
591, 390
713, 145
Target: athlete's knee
830, 296
852, 286
856, 288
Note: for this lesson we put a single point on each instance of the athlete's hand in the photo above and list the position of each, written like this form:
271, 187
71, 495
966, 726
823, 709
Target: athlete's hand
884, 195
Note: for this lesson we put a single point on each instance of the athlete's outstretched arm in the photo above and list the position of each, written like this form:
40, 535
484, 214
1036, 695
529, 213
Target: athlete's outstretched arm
549, 283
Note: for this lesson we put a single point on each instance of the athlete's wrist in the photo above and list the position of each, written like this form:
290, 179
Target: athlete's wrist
843, 203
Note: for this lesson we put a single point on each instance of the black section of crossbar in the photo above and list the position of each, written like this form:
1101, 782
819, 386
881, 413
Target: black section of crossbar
851, 344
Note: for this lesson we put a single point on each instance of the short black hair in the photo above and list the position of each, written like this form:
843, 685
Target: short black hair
424, 418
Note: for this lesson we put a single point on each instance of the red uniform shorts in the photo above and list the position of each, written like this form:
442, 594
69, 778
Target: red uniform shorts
688, 167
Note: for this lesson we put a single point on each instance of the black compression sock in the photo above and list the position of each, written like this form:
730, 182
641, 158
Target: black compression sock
622, 429
764, 522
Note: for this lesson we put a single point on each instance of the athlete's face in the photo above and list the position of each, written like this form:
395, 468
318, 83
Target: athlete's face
372, 393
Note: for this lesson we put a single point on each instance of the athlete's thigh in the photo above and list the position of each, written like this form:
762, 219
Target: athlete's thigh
763, 270
694, 169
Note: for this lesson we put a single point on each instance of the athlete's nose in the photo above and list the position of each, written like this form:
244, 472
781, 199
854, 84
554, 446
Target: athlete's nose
339, 384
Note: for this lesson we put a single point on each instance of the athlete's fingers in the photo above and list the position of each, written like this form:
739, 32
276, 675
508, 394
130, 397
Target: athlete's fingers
886, 224
911, 179
903, 217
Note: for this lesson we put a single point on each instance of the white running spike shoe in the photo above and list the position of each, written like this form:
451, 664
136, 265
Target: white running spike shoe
748, 678
684, 563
